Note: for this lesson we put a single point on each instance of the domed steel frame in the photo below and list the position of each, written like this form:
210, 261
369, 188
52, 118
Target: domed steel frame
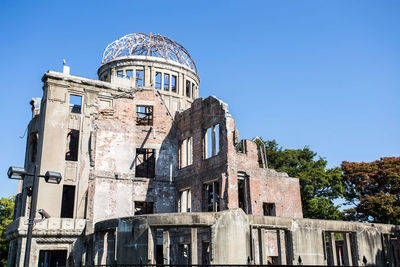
148, 45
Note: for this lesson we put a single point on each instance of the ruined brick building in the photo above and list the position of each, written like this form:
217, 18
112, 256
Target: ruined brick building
154, 174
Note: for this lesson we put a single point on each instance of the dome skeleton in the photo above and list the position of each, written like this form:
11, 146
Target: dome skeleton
148, 45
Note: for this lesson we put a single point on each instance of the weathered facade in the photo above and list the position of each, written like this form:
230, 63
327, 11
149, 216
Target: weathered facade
154, 174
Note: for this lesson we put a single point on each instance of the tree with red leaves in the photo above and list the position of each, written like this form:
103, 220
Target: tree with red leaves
373, 188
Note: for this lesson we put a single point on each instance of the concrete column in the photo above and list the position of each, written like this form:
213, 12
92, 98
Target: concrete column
166, 247
147, 76
281, 247
194, 246
347, 249
150, 245
332, 249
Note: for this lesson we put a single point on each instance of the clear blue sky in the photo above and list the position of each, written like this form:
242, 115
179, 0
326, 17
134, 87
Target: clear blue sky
319, 73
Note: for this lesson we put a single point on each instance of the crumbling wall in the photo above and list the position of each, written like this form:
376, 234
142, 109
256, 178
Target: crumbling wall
114, 186
193, 122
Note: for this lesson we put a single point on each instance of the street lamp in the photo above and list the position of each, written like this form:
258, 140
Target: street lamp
19, 173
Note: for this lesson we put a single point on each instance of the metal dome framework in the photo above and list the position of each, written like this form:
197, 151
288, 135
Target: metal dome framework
140, 44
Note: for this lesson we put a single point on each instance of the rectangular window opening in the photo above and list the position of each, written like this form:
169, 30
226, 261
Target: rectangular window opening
184, 254
144, 115
211, 197
269, 209
68, 199
166, 82
188, 89
211, 141
186, 152
75, 103
144, 207
185, 201
145, 163
139, 78
120, 74
72, 145
129, 74
173, 83
49, 258
158, 80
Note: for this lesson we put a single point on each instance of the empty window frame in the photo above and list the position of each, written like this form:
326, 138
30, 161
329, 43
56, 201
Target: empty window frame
186, 152
68, 200
144, 207
145, 163
211, 141
166, 82
139, 78
158, 80
243, 195
144, 115
75, 103
34, 146
188, 88
72, 145
48, 258
173, 84
211, 197
129, 74
269, 209
185, 201
120, 73
184, 254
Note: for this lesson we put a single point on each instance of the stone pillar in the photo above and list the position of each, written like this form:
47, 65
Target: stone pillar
194, 246
166, 247
147, 76
332, 249
347, 249
150, 245
281, 247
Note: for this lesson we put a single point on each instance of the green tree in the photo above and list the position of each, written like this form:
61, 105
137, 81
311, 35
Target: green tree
6, 217
319, 185
374, 190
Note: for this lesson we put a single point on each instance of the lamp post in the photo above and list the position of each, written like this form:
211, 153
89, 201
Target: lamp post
19, 174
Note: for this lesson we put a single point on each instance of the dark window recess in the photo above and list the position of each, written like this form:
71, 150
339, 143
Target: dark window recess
242, 193
34, 145
188, 89
184, 256
269, 209
173, 83
139, 78
166, 82
158, 80
52, 258
211, 197
75, 103
142, 207
68, 199
144, 115
159, 254
145, 163
72, 145
205, 253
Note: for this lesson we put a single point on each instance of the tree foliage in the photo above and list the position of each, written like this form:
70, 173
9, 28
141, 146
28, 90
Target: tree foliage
374, 190
319, 185
6, 217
